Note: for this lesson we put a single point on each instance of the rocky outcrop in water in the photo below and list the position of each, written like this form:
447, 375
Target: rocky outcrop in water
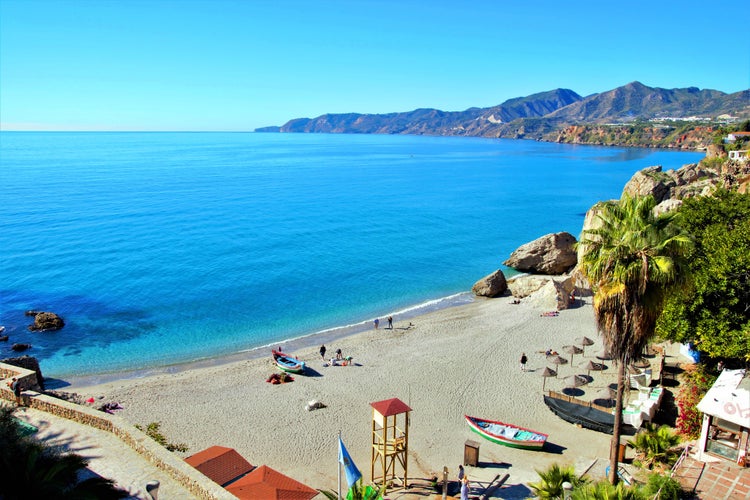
551, 254
46, 322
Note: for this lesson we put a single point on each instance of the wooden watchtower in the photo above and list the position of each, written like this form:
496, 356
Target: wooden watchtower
390, 441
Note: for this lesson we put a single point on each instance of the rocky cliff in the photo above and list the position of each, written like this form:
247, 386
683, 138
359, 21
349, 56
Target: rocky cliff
551, 260
559, 115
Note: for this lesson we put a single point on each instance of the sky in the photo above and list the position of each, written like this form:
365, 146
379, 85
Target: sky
236, 65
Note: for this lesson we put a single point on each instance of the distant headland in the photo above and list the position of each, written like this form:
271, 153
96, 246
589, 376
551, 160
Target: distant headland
631, 115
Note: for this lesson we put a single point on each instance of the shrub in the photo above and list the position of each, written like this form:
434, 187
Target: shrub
152, 430
695, 384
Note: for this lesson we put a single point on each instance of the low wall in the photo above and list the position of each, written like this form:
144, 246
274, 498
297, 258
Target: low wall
195, 482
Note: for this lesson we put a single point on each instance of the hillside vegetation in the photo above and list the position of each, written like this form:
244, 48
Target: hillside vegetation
631, 115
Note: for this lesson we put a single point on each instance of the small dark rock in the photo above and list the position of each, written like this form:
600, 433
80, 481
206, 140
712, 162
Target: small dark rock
46, 322
20, 347
31, 313
3, 338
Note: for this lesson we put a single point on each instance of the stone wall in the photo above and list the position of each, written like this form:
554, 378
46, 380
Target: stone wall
195, 482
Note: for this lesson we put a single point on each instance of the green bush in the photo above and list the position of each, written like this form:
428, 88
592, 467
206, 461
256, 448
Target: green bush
153, 431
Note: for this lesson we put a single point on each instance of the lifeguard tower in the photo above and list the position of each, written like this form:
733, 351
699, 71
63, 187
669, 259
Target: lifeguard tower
390, 441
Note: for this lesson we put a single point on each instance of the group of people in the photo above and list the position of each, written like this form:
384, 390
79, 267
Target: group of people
376, 322
334, 361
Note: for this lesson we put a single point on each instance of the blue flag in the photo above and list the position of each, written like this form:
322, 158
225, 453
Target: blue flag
352, 473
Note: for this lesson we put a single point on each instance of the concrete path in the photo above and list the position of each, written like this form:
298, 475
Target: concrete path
108, 456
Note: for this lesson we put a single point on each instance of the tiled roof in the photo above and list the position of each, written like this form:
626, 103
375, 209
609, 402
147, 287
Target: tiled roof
220, 464
390, 407
266, 483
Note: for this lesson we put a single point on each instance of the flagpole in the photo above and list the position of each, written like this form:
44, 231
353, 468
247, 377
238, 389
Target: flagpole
338, 462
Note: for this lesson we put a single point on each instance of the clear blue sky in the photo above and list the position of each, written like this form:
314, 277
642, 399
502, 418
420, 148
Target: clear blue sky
238, 65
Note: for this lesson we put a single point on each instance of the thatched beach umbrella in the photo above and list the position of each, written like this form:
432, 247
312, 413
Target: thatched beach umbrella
593, 366
547, 372
584, 342
556, 360
607, 396
604, 354
572, 349
573, 381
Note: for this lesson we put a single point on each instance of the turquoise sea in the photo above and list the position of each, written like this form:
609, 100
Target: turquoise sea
161, 248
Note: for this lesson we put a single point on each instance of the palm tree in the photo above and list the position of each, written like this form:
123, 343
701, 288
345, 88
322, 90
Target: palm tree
655, 445
551, 481
605, 491
631, 260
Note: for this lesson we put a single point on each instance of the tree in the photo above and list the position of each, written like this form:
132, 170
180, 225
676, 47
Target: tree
358, 491
632, 259
714, 310
551, 481
605, 491
655, 445
30, 469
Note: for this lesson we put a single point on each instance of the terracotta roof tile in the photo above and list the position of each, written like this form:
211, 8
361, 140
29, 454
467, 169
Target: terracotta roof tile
220, 464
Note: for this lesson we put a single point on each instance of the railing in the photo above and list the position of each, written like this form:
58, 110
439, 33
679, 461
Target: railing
676, 466
571, 399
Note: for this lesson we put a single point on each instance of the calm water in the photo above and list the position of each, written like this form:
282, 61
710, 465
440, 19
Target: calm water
159, 248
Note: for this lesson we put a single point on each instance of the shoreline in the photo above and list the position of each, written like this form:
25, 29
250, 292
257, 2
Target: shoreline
449, 363
309, 340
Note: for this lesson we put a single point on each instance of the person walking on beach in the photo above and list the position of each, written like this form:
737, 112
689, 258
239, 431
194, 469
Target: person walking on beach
461, 474
390, 322
323, 351
377, 323
339, 355
523, 361
465, 488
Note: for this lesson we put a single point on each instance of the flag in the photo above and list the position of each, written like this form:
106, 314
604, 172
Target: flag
352, 473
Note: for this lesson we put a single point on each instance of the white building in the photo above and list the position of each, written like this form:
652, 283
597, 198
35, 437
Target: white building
726, 419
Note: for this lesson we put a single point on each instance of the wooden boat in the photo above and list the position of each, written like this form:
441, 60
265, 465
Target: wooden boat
287, 362
507, 434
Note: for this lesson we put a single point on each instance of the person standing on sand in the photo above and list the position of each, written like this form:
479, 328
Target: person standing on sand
377, 323
390, 322
524, 359
461, 474
465, 488
323, 351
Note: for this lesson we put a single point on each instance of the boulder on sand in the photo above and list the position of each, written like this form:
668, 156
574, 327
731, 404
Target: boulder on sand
491, 285
553, 253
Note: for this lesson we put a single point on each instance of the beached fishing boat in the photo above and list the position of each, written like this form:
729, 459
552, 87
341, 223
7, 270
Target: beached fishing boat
288, 363
507, 434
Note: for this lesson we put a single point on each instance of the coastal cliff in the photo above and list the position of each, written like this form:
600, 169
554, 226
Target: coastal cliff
553, 277
631, 115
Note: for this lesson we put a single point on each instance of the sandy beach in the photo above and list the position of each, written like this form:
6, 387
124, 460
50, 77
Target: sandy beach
445, 364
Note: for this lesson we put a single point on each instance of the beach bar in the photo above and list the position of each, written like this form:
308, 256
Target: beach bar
726, 419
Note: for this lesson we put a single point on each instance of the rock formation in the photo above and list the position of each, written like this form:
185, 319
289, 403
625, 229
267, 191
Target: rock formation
46, 321
491, 285
29, 363
551, 254
550, 293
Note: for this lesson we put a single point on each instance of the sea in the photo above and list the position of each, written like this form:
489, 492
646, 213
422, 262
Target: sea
160, 249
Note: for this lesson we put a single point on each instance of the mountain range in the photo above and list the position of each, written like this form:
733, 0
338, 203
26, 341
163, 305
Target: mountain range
538, 116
